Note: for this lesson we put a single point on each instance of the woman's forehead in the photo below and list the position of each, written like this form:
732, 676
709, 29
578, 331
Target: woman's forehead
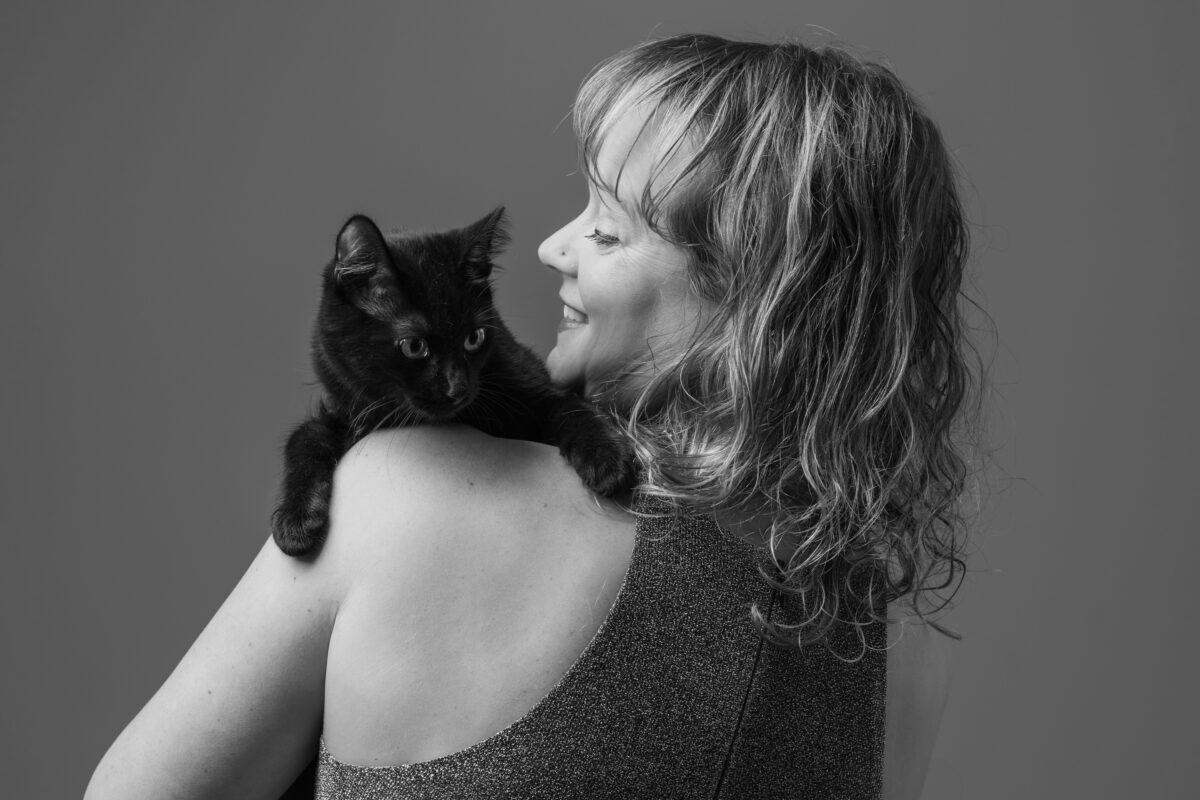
629, 151
622, 149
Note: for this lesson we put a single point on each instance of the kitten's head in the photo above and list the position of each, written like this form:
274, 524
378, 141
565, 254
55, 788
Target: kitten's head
408, 318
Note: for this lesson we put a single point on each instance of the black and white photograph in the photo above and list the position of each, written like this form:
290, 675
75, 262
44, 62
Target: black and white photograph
660, 399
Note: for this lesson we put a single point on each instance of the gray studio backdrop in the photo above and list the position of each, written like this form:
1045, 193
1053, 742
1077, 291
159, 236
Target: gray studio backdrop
172, 179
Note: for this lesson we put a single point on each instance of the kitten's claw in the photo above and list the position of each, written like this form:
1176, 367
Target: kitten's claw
299, 531
604, 461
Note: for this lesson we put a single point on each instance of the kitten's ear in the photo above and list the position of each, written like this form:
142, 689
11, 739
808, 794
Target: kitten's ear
360, 247
485, 239
362, 266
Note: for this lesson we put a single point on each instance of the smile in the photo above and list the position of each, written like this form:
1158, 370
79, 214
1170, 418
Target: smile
572, 318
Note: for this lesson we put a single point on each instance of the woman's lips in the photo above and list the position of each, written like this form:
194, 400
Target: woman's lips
572, 318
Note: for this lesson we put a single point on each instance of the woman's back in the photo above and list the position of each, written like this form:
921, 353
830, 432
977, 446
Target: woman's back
524, 644
461, 612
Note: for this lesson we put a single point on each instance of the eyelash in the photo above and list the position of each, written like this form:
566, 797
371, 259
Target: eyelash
602, 239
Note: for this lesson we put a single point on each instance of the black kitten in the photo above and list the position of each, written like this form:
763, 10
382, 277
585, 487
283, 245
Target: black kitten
408, 333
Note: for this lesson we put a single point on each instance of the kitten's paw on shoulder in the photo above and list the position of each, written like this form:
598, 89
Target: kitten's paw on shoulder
604, 462
300, 531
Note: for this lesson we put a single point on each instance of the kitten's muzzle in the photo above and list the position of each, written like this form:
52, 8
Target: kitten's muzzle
445, 408
456, 387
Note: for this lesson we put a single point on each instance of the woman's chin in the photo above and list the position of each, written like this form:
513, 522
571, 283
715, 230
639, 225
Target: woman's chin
562, 372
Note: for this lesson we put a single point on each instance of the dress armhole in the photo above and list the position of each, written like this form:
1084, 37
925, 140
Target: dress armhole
918, 686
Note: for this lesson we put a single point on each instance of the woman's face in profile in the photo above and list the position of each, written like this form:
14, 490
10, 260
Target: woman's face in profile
626, 298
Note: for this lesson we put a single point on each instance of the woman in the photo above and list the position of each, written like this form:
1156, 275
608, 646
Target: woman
763, 287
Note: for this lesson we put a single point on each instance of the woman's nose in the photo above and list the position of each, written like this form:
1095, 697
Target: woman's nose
556, 253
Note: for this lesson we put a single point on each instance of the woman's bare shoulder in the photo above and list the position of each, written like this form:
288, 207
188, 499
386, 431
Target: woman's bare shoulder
397, 488
452, 455
918, 686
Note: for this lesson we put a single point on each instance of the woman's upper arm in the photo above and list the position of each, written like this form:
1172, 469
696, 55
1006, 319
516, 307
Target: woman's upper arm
241, 713
918, 685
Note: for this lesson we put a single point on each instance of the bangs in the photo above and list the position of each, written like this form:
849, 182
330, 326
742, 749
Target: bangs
671, 132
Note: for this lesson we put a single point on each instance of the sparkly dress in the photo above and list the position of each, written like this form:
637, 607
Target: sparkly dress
676, 696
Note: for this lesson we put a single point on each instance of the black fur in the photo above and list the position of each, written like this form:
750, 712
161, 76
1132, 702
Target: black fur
397, 342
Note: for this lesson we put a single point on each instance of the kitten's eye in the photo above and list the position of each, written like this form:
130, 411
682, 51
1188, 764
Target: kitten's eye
602, 239
414, 347
474, 340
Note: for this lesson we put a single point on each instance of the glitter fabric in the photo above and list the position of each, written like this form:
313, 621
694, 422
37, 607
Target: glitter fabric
676, 696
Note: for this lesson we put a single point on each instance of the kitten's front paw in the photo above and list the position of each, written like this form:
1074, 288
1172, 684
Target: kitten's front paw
603, 459
299, 528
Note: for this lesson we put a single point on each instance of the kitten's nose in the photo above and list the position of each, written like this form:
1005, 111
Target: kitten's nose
456, 386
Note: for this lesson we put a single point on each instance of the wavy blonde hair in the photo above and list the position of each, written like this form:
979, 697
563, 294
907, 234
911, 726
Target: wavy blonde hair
829, 392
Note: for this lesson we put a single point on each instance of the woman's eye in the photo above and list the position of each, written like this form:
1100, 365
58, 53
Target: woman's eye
474, 340
414, 347
602, 239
